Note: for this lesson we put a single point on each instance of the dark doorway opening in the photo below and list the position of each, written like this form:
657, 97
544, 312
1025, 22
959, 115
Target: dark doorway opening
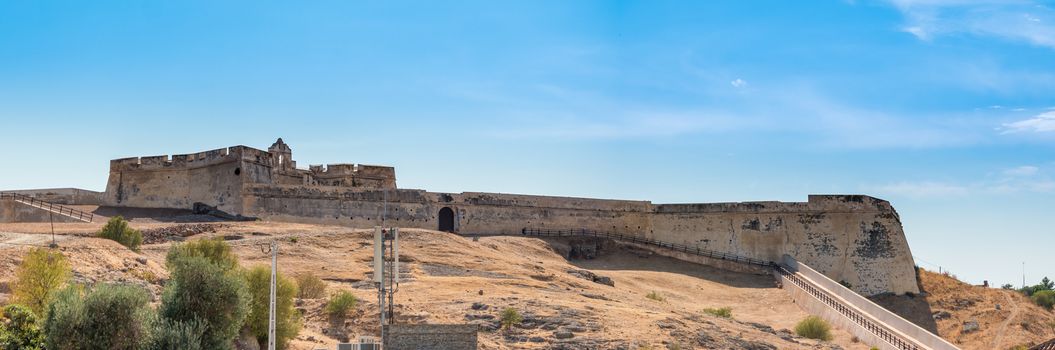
446, 219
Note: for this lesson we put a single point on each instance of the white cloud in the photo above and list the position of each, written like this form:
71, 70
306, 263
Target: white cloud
738, 83
921, 189
1020, 20
919, 32
1044, 122
1022, 179
1025, 170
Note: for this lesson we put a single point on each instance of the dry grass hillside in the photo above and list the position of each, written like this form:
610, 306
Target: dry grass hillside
451, 279
1005, 318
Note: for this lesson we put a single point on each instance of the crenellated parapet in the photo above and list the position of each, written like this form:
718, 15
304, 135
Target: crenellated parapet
193, 160
352, 175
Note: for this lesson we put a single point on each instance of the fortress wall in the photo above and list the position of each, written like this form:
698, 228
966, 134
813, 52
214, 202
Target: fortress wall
509, 213
475, 212
11, 211
856, 239
356, 207
212, 177
355, 175
65, 196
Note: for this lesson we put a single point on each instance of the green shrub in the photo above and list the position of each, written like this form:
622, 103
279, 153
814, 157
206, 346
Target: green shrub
175, 335
117, 229
109, 317
655, 296
510, 317
725, 312
20, 329
199, 290
341, 303
39, 276
215, 250
310, 286
287, 319
814, 327
1044, 298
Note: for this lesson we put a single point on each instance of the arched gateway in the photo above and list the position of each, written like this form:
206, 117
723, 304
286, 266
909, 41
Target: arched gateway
446, 219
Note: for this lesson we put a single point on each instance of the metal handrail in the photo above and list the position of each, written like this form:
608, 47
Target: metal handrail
880, 330
51, 207
635, 239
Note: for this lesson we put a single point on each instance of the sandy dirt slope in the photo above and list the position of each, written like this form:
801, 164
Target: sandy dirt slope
451, 279
948, 304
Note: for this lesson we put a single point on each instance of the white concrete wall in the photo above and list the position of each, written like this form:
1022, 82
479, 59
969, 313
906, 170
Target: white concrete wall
853, 303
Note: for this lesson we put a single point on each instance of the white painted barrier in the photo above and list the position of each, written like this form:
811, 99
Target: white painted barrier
844, 308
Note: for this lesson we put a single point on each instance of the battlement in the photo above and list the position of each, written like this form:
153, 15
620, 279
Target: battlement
346, 169
164, 162
353, 175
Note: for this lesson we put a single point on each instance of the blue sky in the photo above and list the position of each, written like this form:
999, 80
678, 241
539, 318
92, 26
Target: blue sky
944, 107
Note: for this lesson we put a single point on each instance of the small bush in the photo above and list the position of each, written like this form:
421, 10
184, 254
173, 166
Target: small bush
144, 274
215, 250
39, 276
510, 317
655, 296
175, 335
1044, 298
109, 317
20, 329
724, 312
311, 286
116, 229
341, 303
814, 327
287, 319
200, 290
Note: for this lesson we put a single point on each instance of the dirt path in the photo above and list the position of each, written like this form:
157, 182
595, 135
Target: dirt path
12, 238
999, 338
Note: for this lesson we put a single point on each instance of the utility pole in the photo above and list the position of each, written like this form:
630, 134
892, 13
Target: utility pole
51, 218
274, 284
379, 272
386, 273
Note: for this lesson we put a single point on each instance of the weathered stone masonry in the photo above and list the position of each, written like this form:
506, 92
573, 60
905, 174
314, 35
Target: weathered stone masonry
851, 238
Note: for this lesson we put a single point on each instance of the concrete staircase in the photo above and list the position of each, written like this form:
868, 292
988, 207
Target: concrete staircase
48, 206
811, 290
819, 295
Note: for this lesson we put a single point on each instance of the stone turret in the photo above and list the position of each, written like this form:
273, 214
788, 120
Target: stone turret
283, 155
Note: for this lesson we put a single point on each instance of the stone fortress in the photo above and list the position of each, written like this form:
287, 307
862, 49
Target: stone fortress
854, 239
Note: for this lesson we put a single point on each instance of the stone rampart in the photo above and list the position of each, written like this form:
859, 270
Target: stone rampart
854, 239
